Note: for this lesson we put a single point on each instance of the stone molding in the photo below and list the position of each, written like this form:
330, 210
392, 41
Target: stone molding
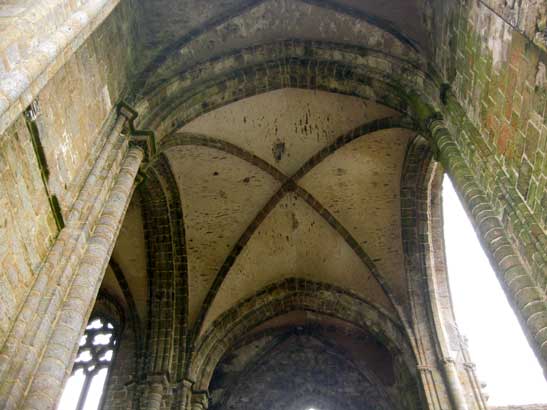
200, 400
145, 139
430, 309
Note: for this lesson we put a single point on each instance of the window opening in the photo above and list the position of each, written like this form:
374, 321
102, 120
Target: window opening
84, 388
496, 342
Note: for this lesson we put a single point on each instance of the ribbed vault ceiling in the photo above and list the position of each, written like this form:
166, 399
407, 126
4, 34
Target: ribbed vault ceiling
177, 35
290, 183
269, 191
285, 183
167, 20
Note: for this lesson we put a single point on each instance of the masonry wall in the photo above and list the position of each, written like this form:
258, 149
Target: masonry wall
499, 77
121, 388
75, 105
27, 225
37, 179
495, 63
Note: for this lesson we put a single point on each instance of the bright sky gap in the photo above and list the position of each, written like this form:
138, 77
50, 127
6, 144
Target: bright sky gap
497, 344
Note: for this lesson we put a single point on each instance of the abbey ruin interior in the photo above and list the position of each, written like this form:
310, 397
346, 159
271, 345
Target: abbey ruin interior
235, 204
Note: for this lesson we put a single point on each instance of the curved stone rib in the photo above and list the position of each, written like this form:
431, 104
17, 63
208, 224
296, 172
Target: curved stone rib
289, 185
382, 24
367, 128
285, 296
351, 241
215, 22
528, 299
134, 318
164, 234
232, 257
200, 140
314, 65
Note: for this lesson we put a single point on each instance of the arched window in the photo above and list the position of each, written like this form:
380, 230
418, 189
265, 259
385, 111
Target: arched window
496, 342
84, 389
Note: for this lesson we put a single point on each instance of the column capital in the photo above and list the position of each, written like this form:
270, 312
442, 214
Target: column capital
448, 360
158, 378
200, 400
186, 382
424, 368
470, 365
436, 125
143, 139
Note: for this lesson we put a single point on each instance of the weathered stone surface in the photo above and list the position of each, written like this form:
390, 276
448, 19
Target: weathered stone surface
294, 173
27, 227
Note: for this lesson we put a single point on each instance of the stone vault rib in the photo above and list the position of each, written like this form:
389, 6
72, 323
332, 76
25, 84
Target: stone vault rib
247, 5
288, 185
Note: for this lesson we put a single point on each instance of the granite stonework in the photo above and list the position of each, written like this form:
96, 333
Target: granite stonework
254, 186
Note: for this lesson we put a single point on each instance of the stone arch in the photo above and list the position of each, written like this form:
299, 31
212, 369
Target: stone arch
425, 260
286, 296
430, 305
111, 316
282, 332
134, 319
515, 271
371, 387
128, 358
107, 306
167, 269
350, 70
356, 71
367, 390
288, 183
168, 56
338, 68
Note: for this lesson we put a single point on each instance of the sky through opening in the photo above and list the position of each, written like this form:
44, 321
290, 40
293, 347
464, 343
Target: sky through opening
497, 345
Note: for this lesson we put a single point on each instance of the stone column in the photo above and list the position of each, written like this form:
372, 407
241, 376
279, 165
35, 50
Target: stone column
430, 388
60, 350
200, 400
183, 395
40, 348
528, 300
155, 389
454, 385
30, 333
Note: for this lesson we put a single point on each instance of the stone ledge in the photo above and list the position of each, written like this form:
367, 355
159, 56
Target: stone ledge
20, 84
